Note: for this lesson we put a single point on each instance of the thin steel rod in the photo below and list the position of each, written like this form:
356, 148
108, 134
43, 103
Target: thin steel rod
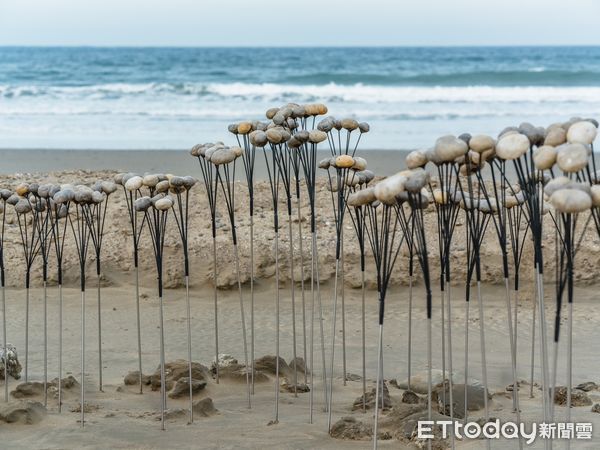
252, 331
276, 420
189, 346
450, 379
312, 331
139, 325
410, 308
342, 283
216, 309
4, 342
531, 382
26, 334
46, 343
364, 338
516, 406
163, 404
569, 364
82, 393
466, 414
293, 293
321, 328
429, 381
543, 343
60, 345
377, 385
331, 361
243, 319
483, 359
303, 291
99, 335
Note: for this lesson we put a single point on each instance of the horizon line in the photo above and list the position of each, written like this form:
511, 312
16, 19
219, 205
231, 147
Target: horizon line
183, 46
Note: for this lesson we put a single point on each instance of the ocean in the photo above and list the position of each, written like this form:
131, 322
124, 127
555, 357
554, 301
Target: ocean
173, 98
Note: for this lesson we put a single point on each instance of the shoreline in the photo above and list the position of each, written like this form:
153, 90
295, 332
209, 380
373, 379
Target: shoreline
173, 161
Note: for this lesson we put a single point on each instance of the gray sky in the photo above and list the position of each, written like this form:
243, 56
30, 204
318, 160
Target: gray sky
303, 22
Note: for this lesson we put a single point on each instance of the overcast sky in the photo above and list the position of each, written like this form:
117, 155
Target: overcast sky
302, 22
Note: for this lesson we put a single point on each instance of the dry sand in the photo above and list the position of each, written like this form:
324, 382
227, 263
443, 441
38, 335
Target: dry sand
120, 418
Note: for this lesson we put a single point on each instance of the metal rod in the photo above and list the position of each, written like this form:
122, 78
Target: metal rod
513, 350
82, 394
277, 326
243, 319
26, 334
569, 364
99, 336
252, 301
429, 382
292, 283
45, 343
216, 309
483, 359
331, 371
312, 330
543, 343
467, 307
344, 371
189, 345
533, 336
443, 336
301, 249
379, 379
60, 344
163, 405
321, 329
364, 353
450, 380
139, 327
410, 307
4, 343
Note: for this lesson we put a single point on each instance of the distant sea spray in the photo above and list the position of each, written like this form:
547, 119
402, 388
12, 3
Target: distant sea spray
171, 98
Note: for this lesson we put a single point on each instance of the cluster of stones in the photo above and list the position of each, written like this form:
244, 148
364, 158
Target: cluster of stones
564, 147
157, 186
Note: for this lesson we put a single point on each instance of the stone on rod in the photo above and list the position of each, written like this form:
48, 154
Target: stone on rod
555, 136
416, 158
582, 133
571, 201
449, 147
134, 183
344, 161
544, 157
512, 146
572, 157
317, 136
386, 190
142, 204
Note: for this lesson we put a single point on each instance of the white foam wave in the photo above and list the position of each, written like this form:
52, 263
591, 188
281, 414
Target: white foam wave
331, 92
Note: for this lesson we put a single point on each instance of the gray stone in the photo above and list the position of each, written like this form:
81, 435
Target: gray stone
369, 400
25, 412
182, 387
133, 379
578, 398
587, 386
267, 364
29, 389
410, 397
475, 399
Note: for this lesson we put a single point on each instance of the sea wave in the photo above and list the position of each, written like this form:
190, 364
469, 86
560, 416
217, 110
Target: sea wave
330, 92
